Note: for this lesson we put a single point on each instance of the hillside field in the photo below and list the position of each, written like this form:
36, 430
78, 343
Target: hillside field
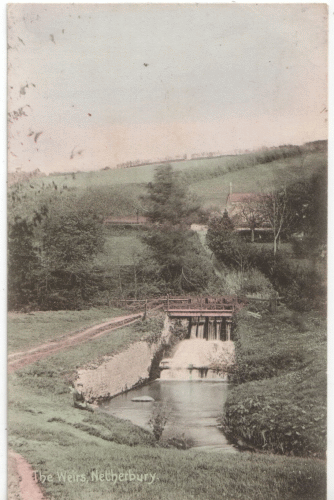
119, 191
260, 178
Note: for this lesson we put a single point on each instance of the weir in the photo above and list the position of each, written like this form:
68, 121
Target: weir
209, 318
208, 349
199, 359
210, 328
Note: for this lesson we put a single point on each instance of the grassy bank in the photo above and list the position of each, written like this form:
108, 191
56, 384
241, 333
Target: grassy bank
25, 331
279, 404
54, 437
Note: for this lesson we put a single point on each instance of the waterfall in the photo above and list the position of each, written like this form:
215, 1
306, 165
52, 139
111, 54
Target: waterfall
211, 330
200, 329
193, 328
198, 359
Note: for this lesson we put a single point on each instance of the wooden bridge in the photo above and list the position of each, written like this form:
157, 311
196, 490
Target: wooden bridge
186, 307
202, 306
208, 318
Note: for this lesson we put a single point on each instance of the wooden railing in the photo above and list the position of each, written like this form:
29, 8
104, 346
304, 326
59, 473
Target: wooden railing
169, 304
206, 304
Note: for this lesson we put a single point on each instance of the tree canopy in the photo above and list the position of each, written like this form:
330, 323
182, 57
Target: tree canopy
176, 249
168, 199
227, 246
49, 258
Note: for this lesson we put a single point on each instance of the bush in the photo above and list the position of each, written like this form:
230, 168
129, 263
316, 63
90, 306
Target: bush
256, 283
301, 288
159, 419
285, 415
279, 403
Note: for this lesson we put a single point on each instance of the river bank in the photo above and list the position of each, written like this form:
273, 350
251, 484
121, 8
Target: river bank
279, 402
42, 418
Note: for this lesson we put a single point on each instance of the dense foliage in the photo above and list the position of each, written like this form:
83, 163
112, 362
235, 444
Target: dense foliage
279, 404
168, 199
50, 259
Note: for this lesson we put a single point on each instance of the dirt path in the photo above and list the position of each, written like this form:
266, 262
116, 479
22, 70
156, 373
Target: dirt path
20, 359
21, 482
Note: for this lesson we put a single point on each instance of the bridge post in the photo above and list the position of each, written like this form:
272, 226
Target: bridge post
273, 304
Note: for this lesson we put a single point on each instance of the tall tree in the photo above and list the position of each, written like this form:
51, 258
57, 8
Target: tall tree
71, 237
275, 212
70, 241
168, 199
173, 246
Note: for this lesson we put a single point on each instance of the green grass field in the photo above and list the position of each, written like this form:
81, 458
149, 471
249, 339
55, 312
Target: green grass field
260, 178
116, 176
25, 331
54, 437
119, 191
120, 251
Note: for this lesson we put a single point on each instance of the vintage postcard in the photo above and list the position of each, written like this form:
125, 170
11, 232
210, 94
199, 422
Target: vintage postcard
167, 251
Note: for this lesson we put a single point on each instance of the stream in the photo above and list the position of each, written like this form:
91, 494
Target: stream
193, 407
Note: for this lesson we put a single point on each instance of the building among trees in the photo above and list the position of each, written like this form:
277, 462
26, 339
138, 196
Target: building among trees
247, 214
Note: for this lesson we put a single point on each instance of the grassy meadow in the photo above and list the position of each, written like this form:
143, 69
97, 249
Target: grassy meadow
118, 191
258, 178
121, 248
41, 418
25, 331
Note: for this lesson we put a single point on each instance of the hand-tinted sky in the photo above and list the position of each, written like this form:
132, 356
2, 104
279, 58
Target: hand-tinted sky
121, 82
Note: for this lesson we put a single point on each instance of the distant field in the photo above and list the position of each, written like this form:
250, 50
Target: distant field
120, 250
214, 191
132, 175
119, 191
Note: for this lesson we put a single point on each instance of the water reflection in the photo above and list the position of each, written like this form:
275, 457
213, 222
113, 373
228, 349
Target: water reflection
194, 408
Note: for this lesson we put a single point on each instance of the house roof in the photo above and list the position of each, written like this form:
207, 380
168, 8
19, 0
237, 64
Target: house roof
241, 197
126, 220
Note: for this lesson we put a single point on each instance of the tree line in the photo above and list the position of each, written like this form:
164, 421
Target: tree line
52, 251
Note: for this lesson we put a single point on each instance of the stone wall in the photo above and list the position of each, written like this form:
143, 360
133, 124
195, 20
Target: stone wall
121, 372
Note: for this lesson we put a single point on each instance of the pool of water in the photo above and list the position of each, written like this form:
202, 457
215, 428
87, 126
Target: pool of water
193, 410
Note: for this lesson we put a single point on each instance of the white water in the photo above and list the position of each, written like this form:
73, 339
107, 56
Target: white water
194, 407
198, 359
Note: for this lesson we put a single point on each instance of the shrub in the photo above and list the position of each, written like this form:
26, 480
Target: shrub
301, 288
255, 282
159, 419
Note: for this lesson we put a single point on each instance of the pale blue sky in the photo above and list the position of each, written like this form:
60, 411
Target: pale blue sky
161, 80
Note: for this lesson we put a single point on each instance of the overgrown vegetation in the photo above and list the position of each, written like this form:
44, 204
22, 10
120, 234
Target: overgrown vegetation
300, 208
132, 263
181, 260
279, 404
159, 419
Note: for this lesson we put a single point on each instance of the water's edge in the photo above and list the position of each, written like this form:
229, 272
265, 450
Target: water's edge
141, 369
